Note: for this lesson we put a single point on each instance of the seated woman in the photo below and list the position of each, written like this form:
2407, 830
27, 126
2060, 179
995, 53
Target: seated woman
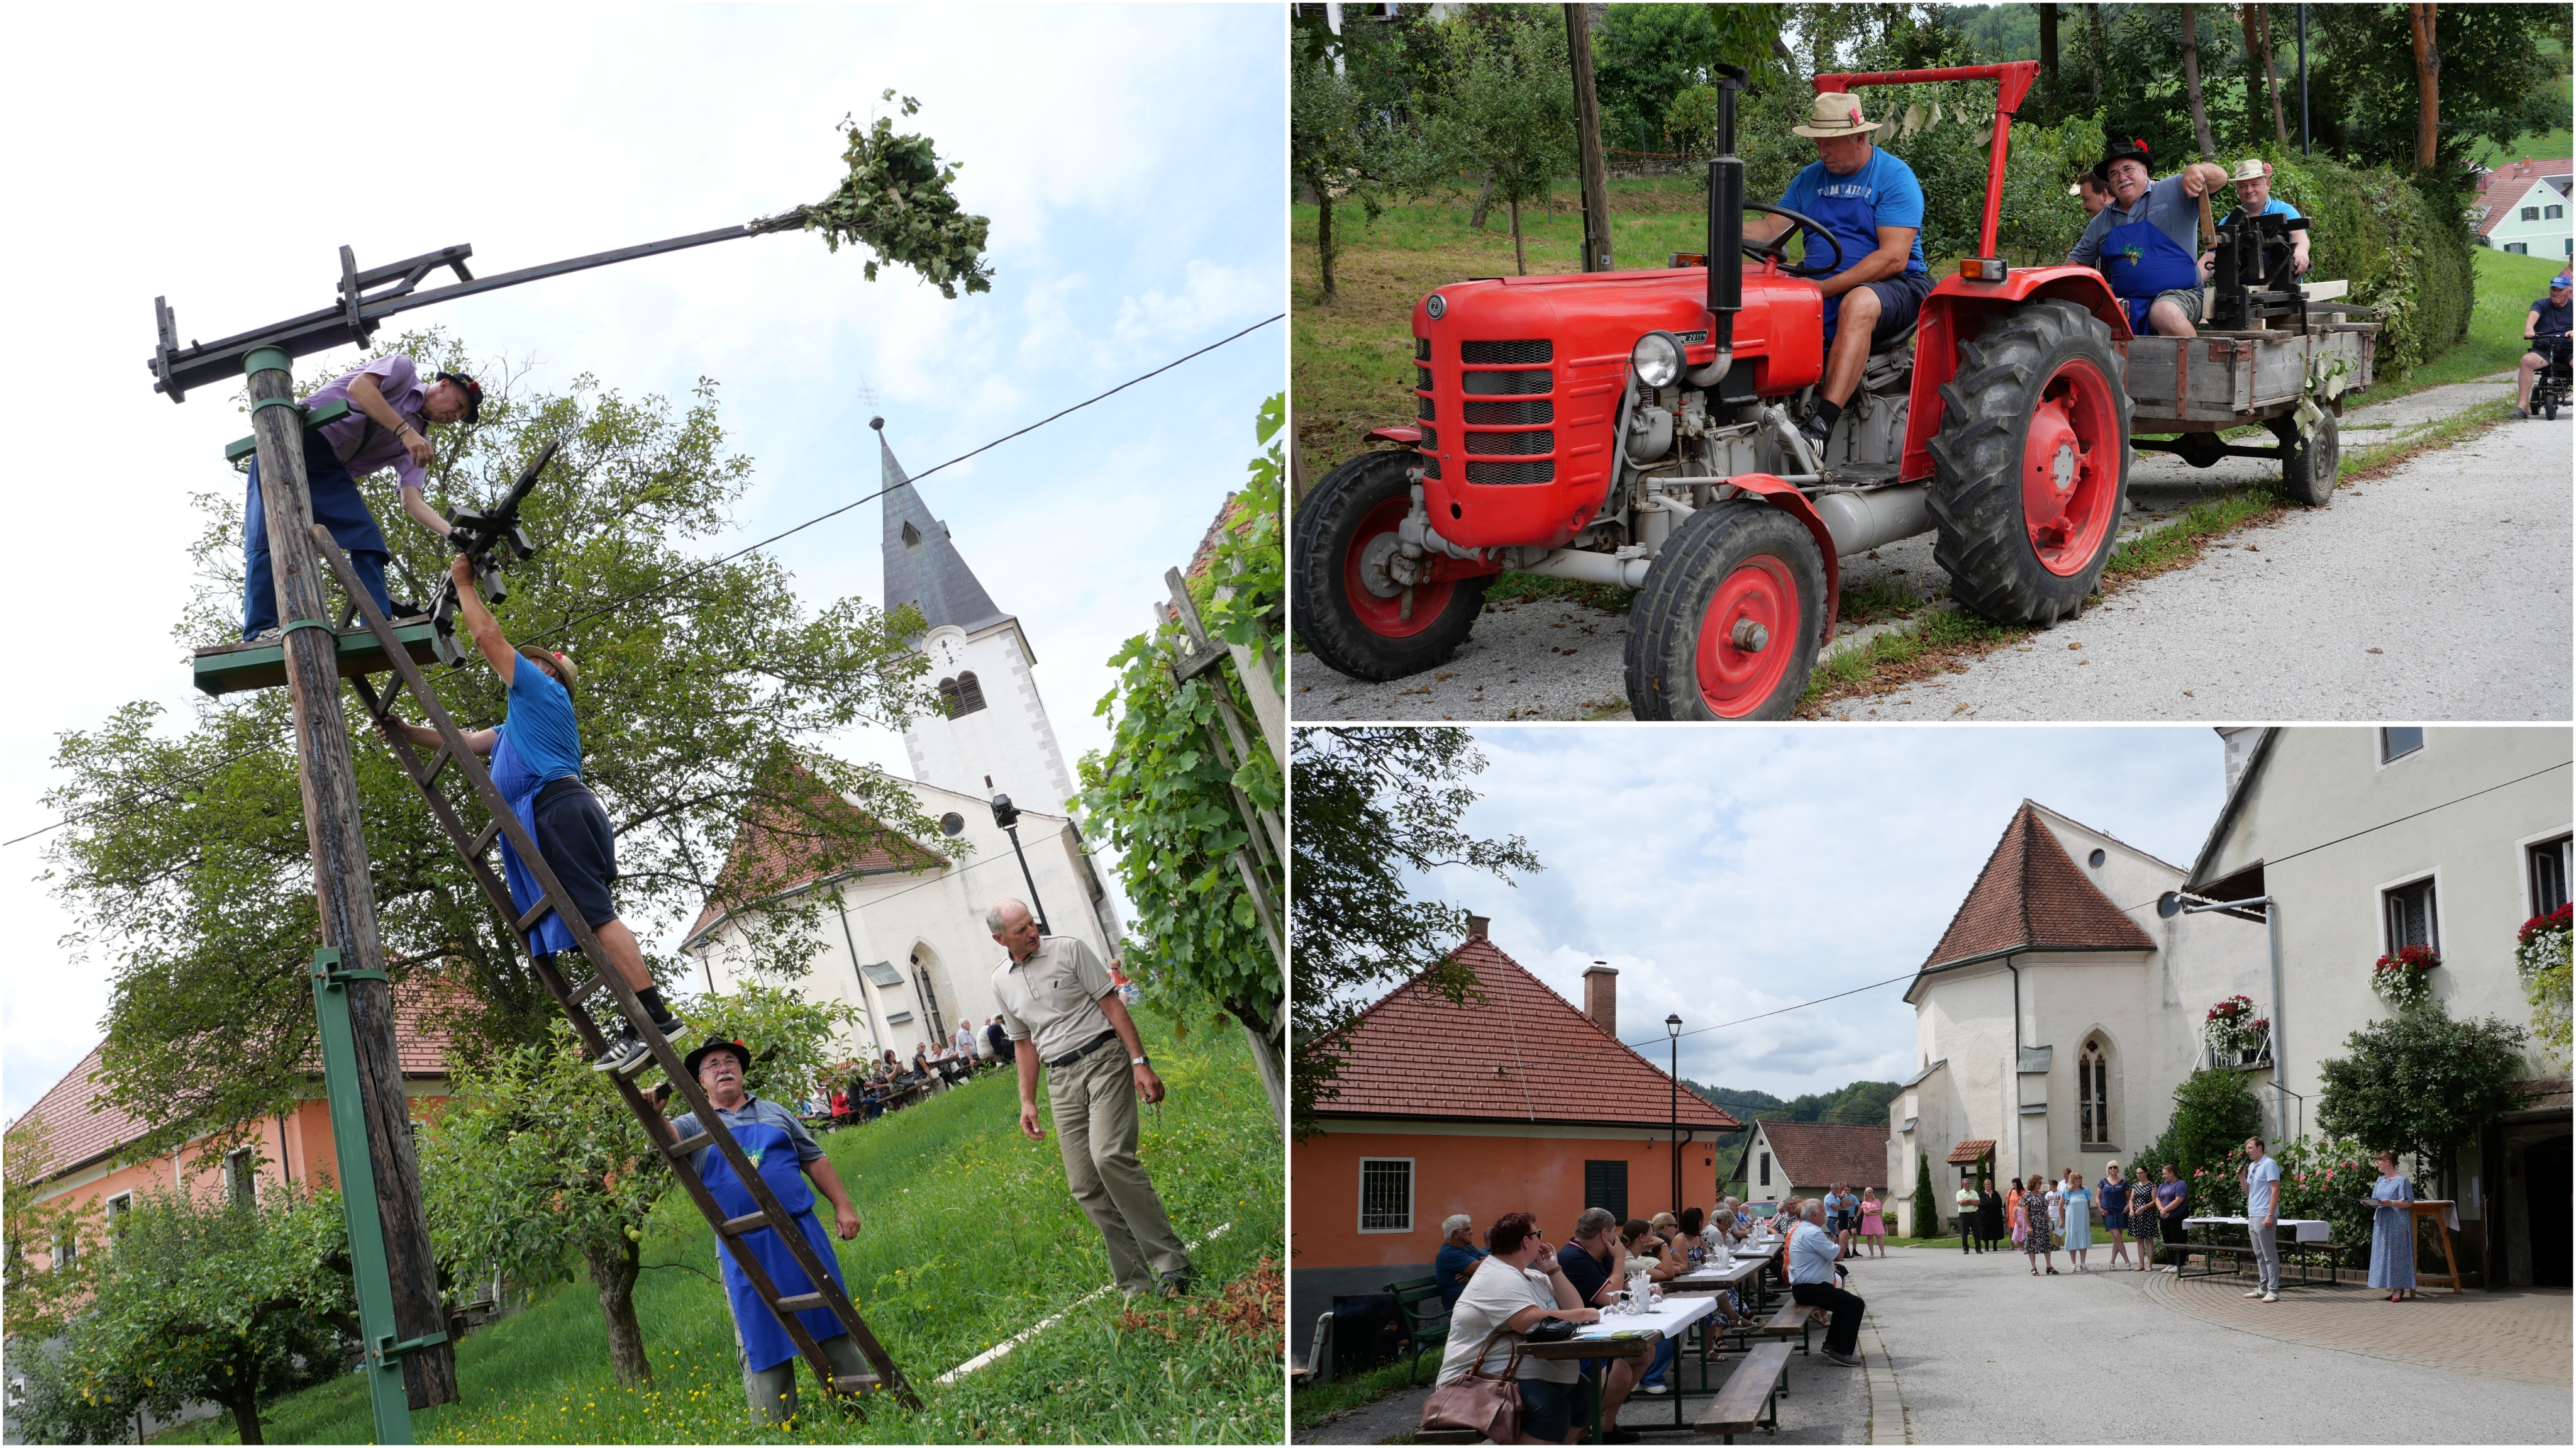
1520, 1285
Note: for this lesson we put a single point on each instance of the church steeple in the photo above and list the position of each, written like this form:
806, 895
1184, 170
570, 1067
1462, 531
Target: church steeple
922, 566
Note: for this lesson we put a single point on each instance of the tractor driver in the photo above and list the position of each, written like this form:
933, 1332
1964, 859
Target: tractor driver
2253, 180
1872, 204
2145, 240
390, 414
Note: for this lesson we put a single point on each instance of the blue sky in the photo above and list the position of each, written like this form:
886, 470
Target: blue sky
1132, 162
1730, 871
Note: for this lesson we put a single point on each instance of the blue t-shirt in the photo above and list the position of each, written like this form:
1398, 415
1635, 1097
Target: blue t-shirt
1453, 1267
2553, 317
2262, 1186
540, 724
1883, 192
1584, 1270
2174, 211
2275, 207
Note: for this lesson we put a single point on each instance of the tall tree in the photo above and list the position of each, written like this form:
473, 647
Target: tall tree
2500, 81
2422, 1082
2093, 57
2048, 43
1506, 108
2428, 84
705, 685
1344, 146
1373, 804
2258, 42
2191, 81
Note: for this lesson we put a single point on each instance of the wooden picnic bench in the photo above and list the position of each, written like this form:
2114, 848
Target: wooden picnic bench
1751, 1397
1425, 1318
2237, 1256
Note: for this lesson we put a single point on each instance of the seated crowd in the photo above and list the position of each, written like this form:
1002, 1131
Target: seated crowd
857, 1091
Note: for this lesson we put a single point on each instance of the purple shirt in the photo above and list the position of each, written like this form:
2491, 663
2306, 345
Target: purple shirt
360, 442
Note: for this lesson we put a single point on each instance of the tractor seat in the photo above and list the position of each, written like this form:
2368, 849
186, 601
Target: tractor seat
1900, 339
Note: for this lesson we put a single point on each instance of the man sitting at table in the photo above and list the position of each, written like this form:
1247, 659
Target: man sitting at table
1812, 1259
1587, 1264
1457, 1259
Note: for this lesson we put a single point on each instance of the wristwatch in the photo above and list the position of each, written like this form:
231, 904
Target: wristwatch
1138, 1061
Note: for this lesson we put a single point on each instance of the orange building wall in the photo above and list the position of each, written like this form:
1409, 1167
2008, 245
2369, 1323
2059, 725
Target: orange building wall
1483, 1176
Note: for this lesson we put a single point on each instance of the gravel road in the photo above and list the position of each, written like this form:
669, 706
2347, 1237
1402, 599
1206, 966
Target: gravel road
2284, 632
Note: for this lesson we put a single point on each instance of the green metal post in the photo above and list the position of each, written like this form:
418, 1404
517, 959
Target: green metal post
358, 1195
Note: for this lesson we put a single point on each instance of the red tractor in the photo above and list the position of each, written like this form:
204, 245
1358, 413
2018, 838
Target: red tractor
1641, 428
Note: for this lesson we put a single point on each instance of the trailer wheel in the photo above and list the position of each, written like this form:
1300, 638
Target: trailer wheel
1348, 612
2308, 473
1726, 626
2031, 467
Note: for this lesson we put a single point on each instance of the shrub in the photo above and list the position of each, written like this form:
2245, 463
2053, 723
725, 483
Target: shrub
1927, 1208
2421, 1082
2540, 957
2213, 1114
2403, 979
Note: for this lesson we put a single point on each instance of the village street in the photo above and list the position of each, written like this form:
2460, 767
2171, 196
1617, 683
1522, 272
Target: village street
2436, 591
1974, 1350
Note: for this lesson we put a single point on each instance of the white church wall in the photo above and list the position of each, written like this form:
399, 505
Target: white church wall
1009, 741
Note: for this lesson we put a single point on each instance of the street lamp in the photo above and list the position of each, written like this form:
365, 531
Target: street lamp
1673, 1031
1007, 815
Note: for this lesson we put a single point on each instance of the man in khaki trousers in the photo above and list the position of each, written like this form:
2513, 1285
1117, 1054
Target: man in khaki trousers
1060, 1008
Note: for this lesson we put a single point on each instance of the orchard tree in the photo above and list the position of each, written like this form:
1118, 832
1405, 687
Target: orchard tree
2422, 1083
705, 684
1505, 107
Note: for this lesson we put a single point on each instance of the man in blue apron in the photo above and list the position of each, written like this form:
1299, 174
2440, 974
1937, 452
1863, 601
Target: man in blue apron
2146, 242
390, 414
536, 765
1873, 205
784, 1154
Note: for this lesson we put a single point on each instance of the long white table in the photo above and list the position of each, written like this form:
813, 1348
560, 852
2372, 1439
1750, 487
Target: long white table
2306, 1229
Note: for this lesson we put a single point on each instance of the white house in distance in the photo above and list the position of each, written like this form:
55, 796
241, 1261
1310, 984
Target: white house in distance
2523, 207
2059, 1010
1803, 1158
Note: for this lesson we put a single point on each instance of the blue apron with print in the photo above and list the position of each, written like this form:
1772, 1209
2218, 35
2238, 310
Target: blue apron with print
518, 785
765, 1343
2142, 263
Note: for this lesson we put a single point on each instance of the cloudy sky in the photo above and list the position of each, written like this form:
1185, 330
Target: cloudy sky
1727, 872
1132, 162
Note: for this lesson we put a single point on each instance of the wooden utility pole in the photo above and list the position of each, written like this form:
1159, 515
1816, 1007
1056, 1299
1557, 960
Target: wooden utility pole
341, 881
1587, 128
2428, 84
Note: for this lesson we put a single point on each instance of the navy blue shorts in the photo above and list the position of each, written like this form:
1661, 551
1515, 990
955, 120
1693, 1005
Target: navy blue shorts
574, 835
1549, 1411
1900, 301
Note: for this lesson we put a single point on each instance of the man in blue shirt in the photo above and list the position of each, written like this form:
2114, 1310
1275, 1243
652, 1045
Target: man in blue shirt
1591, 1262
1872, 204
1812, 1255
2262, 1215
2253, 181
2146, 242
2548, 318
536, 765
1458, 1257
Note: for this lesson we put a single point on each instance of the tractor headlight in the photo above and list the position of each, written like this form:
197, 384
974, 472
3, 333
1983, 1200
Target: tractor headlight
1657, 358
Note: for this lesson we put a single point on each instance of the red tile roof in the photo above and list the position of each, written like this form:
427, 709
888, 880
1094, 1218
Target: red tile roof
1969, 1153
1522, 1053
2030, 896
2504, 195
777, 851
1819, 1153
82, 1125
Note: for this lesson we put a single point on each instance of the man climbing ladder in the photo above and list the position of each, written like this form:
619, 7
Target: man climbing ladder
536, 765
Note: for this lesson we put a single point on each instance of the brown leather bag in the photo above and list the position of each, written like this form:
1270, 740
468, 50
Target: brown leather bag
1477, 1401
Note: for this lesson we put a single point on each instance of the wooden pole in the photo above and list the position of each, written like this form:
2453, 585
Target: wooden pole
340, 873
1587, 127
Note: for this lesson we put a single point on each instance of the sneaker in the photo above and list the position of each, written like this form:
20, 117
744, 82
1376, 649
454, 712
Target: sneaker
1174, 1284
1817, 433
2257, 1292
628, 1054
264, 636
2525, 416
1845, 1359
1653, 1390
2271, 1297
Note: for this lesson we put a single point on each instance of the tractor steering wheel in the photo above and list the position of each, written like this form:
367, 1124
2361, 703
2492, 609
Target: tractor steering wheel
1777, 248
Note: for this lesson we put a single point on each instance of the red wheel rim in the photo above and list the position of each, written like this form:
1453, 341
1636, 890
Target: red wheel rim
1733, 680
2070, 469
1385, 616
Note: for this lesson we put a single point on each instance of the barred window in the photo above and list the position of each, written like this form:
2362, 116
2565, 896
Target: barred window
1386, 1194
970, 695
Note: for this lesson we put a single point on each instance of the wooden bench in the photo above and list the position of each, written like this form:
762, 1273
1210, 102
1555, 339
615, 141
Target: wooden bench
1426, 1318
1793, 1317
1448, 1435
1751, 1397
2300, 1252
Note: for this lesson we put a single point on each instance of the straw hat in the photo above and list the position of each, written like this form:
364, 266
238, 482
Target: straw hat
2252, 168
1835, 113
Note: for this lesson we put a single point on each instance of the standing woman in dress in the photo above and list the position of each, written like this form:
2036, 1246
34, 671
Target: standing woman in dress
2113, 1190
2037, 1240
1873, 1221
2392, 1231
2079, 1218
1990, 1213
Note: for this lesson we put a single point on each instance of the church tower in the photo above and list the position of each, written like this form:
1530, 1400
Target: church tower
995, 737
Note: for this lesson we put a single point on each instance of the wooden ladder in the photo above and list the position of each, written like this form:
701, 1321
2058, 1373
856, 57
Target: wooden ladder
474, 846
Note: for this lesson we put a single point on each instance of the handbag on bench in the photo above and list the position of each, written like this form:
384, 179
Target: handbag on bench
1477, 1401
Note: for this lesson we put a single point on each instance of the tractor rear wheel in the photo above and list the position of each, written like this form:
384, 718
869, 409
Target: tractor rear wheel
1349, 611
1726, 626
2031, 467
2308, 473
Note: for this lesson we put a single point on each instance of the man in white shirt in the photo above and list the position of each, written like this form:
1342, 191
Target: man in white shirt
1812, 1255
1967, 1202
2262, 1215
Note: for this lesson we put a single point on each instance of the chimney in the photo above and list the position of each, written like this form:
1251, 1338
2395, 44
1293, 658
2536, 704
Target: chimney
1601, 996
1476, 926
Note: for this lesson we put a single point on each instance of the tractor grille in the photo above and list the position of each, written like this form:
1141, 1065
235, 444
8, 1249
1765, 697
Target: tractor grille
1507, 474
1424, 409
1431, 439
1506, 354
1422, 379
1508, 414
1502, 384
1421, 349
1430, 466
1510, 444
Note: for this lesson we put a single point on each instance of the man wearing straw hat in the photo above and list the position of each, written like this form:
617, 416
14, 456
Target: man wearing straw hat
1872, 204
2253, 181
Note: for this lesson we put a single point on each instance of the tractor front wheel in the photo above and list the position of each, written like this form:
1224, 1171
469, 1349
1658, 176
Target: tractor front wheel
1350, 611
2031, 467
2308, 473
1726, 626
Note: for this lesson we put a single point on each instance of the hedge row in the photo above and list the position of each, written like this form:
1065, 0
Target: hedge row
2404, 252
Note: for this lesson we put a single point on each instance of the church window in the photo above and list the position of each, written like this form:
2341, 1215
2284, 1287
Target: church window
969, 697
2093, 1091
911, 536
948, 697
2411, 917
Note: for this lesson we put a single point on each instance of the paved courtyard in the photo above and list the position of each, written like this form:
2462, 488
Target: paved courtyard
1973, 1350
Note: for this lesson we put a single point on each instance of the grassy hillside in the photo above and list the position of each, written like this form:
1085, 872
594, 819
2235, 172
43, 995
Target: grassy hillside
2507, 286
971, 1237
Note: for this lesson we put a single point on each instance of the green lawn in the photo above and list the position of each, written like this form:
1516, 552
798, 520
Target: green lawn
971, 1237
2507, 286
2533, 148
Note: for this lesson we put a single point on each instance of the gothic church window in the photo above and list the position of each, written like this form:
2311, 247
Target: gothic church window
969, 696
2093, 1090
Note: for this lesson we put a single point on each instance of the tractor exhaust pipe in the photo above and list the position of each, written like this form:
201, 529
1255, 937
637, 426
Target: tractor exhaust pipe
1725, 232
